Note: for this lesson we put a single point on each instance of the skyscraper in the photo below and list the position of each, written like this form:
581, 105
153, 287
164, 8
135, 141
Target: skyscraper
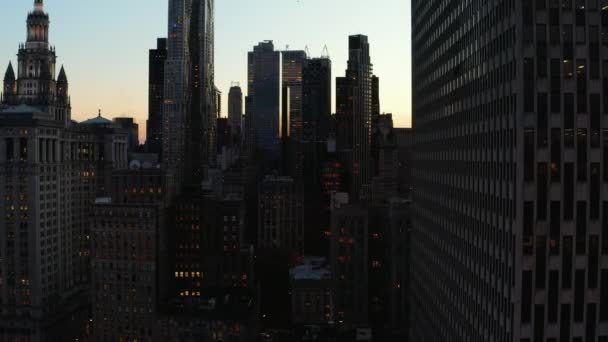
354, 113
156, 93
235, 109
50, 171
316, 117
293, 63
189, 111
265, 93
316, 100
510, 219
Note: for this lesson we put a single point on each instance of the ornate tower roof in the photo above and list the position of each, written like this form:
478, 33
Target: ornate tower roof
62, 78
10, 73
38, 5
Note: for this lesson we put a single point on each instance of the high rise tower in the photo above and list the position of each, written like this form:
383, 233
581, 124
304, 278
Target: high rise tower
293, 63
156, 90
35, 83
189, 114
235, 109
51, 170
354, 112
265, 94
510, 209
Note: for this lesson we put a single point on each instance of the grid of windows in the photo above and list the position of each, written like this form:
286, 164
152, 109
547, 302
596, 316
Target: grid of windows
510, 169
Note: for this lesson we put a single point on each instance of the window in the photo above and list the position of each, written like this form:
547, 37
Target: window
568, 191
556, 155
528, 233
604, 296
539, 322
564, 328
10, 149
23, 149
556, 91
541, 50
542, 120
526, 297
567, 263
529, 85
594, 252
594, 52
529, 152
581, 227
594, 192
541, 261
595, 123
581, 85
581, 154
568, 120
554, 228
579, 295
553, 296
542, 192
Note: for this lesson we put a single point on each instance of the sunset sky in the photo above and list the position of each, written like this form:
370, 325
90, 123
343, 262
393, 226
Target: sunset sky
104, 44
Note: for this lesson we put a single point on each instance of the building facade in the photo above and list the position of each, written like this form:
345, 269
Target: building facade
509, 234
354, 113
349, 255
50, 171
281, 214
156, 95
235, 110
189, 112
264, 92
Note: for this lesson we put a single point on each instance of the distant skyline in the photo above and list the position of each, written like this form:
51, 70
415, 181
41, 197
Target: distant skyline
104, 45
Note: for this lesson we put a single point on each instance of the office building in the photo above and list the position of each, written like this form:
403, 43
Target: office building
156, 93
50, 171
189, 112
293, 63
264, 92
311, 292
281, 214
509, 215
349, 264
235, 109
404, 138
354, 114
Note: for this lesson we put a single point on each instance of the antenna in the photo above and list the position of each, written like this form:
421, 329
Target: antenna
307, 51
235, 84
325, 53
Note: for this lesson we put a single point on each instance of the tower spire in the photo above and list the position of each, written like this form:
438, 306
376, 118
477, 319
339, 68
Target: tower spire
38, 5
10, 73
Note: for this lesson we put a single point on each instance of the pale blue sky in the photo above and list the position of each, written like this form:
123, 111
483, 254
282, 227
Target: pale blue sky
104, 44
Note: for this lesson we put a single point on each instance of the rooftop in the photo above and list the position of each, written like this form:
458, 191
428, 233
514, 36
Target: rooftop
313, 268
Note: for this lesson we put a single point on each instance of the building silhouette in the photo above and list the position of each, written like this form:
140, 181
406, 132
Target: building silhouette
189, 112
354, 114
156, 94
132, 129
508, 206
264, 92
235, 110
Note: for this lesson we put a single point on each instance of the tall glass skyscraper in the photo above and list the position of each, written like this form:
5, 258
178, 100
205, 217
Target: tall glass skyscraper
189, 111
510, 219
265, 96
